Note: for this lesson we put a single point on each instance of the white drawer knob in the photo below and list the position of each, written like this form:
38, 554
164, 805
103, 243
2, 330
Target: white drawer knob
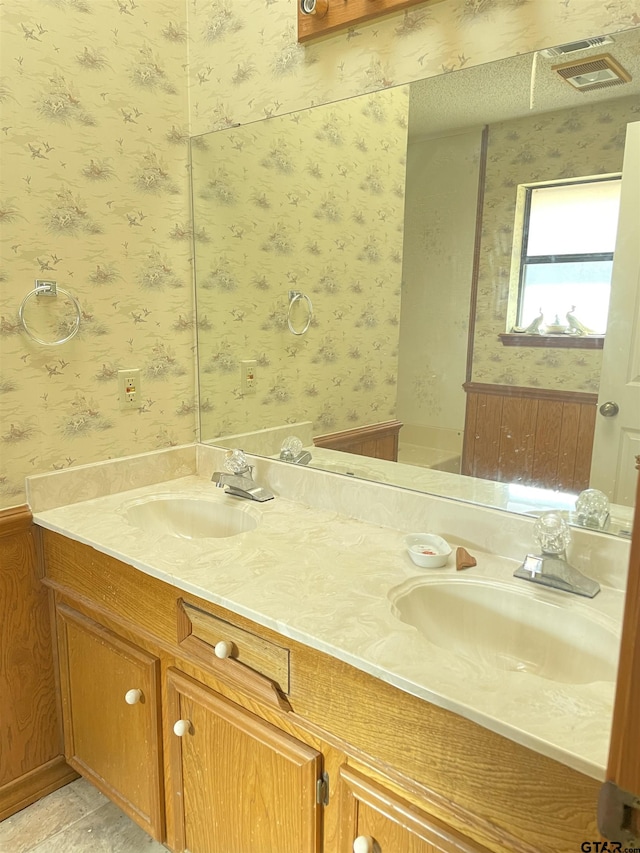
132, 697
223, 649
363, 844
181, 728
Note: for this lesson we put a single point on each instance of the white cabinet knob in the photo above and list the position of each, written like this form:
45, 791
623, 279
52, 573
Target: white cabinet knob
223, 649
363, 844
181, 728
132, 697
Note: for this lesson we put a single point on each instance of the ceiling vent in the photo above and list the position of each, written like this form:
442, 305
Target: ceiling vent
571, 47
596, 72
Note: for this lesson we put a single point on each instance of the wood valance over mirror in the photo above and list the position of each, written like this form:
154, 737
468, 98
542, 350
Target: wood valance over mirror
399, 214
318, 18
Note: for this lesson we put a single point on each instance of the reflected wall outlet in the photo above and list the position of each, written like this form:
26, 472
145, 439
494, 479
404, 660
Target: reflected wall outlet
129, 389
248, 376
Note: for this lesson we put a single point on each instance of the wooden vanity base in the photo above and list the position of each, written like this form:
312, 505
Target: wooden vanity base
400, 769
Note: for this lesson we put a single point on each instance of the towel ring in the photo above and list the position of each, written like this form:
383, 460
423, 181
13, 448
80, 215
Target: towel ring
296, 296
50, 288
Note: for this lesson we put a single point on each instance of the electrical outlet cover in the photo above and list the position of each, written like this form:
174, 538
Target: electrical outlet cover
129, 389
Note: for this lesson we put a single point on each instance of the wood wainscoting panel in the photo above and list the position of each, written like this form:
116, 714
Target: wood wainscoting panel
547, 452
379, 441
532, 436
488, 412
520, 413
584, 445
31, 763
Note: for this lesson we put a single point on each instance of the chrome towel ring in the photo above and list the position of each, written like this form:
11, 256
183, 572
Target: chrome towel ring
298, 296
50, 288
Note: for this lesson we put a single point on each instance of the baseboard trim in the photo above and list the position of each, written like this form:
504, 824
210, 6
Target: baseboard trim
21, 792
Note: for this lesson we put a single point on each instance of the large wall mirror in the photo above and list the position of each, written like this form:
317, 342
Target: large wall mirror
355, 267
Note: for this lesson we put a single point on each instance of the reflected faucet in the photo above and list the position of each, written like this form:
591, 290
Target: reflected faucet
291, 451
551, 568
238, 480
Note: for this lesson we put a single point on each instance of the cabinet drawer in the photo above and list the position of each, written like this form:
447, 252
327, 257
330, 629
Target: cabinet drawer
198, 629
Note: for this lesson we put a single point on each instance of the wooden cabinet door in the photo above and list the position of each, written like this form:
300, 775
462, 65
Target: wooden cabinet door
239, 784
375, 820
112, 740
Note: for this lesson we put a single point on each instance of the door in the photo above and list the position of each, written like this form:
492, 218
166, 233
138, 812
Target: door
376, 820
110, 703
617, 436
239, 784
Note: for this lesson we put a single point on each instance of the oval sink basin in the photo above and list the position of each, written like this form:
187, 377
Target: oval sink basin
189, 518
500, 627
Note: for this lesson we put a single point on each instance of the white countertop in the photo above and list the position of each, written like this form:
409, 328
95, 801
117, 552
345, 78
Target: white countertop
327, 580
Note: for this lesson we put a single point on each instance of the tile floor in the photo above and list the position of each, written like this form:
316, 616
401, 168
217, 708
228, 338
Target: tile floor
74, 819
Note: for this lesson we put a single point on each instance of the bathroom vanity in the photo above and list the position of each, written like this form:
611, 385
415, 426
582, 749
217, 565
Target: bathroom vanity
261, 691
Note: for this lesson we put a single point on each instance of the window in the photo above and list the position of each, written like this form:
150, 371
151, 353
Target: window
566, 258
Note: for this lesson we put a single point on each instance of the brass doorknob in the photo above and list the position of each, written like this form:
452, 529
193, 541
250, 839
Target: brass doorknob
609, 409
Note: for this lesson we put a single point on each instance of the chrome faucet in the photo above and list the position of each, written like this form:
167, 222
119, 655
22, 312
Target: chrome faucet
238, 479
291, 451
551, 568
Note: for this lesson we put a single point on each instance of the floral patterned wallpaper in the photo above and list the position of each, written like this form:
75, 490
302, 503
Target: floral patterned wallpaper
98, 98
311, 202
246, 64
94, 196
586, 140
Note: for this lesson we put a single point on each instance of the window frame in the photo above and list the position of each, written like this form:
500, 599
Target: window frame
519, 261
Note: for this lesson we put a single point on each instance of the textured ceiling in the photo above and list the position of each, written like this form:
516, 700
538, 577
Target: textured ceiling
502, 90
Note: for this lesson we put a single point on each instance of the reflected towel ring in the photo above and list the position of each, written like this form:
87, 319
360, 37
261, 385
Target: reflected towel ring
296, 296
49, 288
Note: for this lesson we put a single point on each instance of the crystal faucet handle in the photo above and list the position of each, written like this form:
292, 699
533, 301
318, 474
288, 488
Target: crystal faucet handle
235, 462
291, 446
552, 533
592, 508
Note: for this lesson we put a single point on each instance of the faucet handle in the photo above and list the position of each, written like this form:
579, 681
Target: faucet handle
236, 462
534, 565
552, 533
290, 448
592, 508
